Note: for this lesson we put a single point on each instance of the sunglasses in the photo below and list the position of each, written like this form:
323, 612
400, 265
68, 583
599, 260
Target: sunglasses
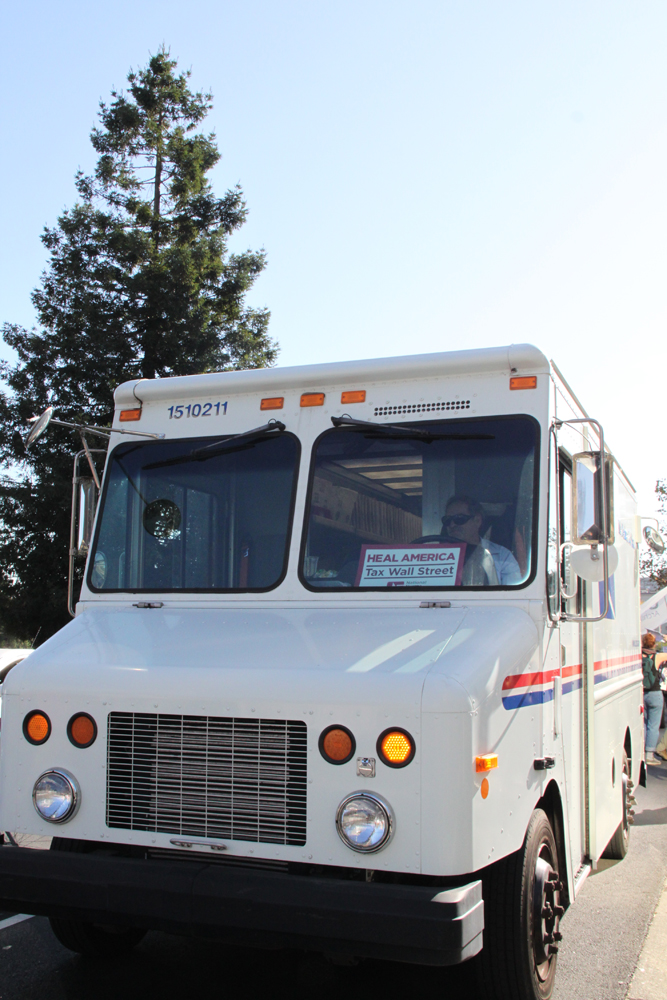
457, 519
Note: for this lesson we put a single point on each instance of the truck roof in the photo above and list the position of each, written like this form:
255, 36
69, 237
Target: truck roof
491, 360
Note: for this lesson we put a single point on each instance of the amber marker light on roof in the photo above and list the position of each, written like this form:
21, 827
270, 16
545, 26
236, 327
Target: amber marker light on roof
396, 747
36, 727
272, 403
130, 415
337, 744
523, 382
486, 762
82, 730
358, 396
312, 399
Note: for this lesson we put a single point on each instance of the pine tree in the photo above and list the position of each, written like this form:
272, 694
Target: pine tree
140, 283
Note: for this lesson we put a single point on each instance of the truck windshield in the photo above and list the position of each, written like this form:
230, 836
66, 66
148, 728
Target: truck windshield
451, 508
176, 518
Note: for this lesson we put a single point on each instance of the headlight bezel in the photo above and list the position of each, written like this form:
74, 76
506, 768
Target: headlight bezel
378, 800
75, 789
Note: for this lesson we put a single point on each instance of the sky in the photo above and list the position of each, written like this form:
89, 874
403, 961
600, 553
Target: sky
423, 176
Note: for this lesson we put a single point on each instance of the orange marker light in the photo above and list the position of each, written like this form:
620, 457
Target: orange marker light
337, 744
36, 727
81, 730
486, 762
523, 382
396, 747
312, 399
272, 403
359, 396
485, 787
130, 415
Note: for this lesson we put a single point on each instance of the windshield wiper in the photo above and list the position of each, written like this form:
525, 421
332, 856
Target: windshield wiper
273, 428
242, 440
391, 430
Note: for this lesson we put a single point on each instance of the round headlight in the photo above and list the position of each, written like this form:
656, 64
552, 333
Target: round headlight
365, 822
56, 795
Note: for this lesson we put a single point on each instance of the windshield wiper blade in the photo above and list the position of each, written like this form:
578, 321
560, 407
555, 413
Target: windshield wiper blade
391, 430
274, 427
231, 443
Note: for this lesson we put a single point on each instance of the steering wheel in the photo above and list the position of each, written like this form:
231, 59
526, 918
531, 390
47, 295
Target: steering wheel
427, 538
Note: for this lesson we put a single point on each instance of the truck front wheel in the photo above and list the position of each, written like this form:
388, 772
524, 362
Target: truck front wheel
94, 940
522, 914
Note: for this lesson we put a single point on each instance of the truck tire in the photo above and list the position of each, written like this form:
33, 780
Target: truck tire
619, 844
522, 913
93, 940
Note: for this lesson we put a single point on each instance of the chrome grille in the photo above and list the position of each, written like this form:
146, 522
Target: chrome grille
236, 779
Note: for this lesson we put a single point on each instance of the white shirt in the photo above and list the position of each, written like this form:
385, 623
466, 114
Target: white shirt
506, 565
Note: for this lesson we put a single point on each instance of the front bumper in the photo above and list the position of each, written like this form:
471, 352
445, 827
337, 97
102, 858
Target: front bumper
373, 920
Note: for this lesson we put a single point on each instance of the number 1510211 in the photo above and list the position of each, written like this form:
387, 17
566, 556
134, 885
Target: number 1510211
197, 410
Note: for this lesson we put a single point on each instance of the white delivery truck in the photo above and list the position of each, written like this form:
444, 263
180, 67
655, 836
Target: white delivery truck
355, 667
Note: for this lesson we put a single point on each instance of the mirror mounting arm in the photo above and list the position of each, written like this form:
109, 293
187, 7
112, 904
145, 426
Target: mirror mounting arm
90, 461
105, 431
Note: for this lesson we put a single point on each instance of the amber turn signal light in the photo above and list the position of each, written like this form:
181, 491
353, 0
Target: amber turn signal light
359, 396
82, 730
337, 744
396, 747
486, 762
36, 727
312, 399
130, 414
523, 382
272, 403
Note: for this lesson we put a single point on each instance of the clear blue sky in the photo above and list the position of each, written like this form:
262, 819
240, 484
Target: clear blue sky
424, 176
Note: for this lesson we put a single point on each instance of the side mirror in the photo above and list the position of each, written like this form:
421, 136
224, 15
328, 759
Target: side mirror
39, 426
86, 518
654, 540
592, 525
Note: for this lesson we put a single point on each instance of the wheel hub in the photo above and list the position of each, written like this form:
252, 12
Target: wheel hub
547, 912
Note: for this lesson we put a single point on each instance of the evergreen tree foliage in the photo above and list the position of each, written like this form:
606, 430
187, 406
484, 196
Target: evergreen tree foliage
140, 283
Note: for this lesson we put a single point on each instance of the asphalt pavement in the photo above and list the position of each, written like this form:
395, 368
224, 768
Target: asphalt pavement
603, 936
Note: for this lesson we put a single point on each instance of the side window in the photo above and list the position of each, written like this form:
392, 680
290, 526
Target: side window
560, 532
570, 605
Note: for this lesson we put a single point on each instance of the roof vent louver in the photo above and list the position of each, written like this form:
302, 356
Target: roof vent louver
450, 404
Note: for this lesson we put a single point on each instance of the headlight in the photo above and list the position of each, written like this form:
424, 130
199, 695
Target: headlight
365, 822
56, 795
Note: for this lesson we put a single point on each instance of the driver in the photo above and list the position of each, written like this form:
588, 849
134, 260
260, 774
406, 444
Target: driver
487, 564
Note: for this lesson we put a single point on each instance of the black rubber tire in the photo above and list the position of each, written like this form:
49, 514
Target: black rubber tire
619, 845
93, 940
508, 967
